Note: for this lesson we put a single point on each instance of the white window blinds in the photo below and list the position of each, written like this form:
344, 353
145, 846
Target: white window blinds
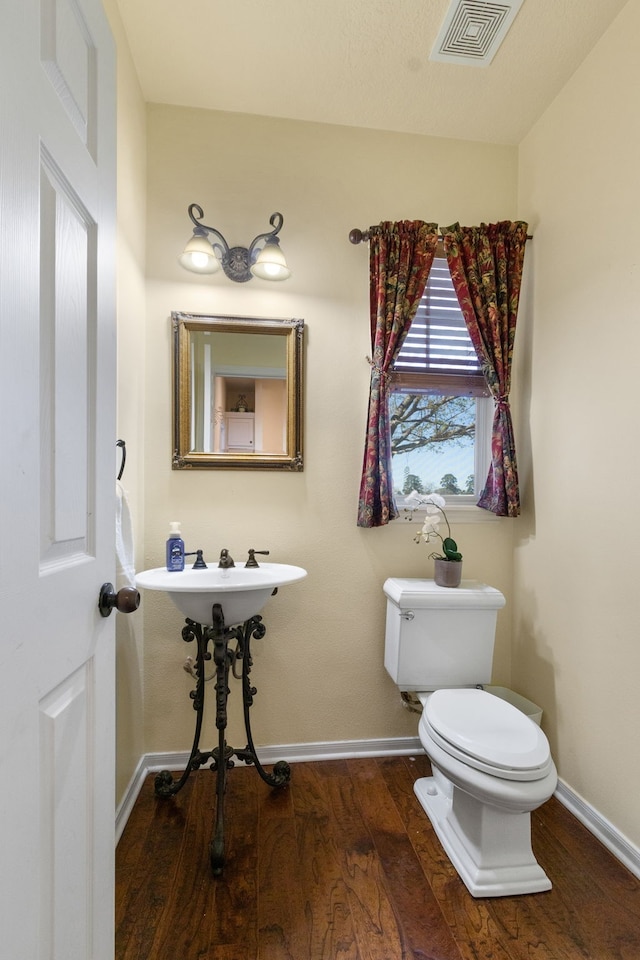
437, 354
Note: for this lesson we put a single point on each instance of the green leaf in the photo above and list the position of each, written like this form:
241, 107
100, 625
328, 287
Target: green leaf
450, 549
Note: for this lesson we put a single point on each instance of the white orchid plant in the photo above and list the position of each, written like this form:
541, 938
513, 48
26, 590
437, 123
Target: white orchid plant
434, 505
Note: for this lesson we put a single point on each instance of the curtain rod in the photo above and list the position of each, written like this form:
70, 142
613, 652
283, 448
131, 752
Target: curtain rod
358, 236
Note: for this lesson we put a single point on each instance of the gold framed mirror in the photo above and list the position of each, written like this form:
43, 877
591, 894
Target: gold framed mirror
237, 392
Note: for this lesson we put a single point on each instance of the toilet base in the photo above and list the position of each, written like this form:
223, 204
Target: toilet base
490, 848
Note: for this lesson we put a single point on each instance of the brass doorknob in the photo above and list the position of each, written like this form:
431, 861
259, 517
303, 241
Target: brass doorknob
126, 600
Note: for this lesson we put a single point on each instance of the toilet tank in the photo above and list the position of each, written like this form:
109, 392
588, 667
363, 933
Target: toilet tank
440, 636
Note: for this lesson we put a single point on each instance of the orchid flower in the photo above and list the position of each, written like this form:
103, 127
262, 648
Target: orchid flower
431, 524
434, 505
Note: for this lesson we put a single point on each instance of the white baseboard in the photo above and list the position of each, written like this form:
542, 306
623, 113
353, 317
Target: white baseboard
291, 752
622, 848
129, 797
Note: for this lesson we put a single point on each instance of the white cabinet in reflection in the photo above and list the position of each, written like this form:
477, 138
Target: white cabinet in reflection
240, 432
261, 428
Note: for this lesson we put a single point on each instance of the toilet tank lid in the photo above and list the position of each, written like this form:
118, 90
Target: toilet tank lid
426, 594
488, 729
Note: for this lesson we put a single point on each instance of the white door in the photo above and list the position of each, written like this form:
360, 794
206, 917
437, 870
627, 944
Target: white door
240, 428
57, 476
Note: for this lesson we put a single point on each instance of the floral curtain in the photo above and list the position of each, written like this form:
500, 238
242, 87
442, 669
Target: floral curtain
486, 268
400, 258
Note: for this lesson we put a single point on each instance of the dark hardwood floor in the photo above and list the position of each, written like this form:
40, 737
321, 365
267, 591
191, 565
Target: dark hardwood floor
344, 864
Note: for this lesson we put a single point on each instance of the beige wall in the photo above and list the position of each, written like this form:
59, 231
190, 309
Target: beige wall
131, 200
577, 621
319, 670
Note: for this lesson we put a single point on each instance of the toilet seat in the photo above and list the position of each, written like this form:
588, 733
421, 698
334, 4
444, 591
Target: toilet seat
486, 733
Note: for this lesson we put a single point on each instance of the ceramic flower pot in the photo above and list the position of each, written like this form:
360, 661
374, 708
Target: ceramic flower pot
447, 573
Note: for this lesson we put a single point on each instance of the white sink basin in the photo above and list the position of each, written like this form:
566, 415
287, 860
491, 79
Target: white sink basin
241, 591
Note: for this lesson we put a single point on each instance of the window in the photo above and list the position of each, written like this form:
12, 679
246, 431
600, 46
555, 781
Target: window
440, 406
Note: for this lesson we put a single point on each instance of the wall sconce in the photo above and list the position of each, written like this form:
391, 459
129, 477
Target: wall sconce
202, 255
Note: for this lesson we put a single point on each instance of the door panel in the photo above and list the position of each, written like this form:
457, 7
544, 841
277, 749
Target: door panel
67, 819
68, 56
57, 495
67, 333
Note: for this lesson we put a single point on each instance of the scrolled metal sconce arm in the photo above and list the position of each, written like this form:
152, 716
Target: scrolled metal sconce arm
262, 258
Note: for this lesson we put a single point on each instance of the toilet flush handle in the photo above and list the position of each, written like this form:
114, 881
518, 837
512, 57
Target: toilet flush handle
409, 615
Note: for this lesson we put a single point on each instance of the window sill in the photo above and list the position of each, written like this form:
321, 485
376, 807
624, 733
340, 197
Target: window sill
456, 513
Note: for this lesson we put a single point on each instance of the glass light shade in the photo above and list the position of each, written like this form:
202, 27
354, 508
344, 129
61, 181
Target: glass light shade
199, 256
270, 263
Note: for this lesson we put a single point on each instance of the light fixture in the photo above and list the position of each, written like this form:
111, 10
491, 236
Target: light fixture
204, 255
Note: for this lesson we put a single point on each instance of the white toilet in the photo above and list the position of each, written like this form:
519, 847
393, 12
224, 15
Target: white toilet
491, 763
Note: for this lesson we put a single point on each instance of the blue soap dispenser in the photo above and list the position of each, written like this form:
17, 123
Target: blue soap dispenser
175, 548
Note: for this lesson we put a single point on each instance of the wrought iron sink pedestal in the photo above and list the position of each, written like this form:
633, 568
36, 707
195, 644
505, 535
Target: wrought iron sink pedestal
229, 646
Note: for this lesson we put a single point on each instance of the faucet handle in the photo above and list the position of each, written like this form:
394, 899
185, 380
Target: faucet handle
252, 562
199, 561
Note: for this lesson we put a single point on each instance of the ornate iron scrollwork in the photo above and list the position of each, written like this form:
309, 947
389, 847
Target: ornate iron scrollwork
220, 758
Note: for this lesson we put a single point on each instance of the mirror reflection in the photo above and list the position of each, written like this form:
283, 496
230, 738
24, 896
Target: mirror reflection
237, 392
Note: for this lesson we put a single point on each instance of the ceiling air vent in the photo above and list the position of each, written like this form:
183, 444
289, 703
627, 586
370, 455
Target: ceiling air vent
473, 30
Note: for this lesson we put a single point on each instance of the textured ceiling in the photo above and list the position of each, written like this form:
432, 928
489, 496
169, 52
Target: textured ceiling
363, 63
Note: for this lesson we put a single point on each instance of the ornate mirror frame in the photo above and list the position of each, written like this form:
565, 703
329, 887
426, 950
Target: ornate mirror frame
184, 456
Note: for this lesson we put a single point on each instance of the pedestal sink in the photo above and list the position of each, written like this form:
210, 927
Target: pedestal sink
222, 606
241, 591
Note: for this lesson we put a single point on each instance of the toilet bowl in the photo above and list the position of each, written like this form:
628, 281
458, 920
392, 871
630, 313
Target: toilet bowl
491, 767
491, 763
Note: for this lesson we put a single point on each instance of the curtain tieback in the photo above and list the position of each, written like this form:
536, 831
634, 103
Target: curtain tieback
503, 399
376, 367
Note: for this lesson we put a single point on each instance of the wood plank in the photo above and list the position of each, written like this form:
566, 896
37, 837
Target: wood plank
343, 864
152, 883
282, 925
373, 917
330, 923
470, 921
234, 922
589, 854
539, 925
587, 911
129, 852
180, 933
572, 920
417, 918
